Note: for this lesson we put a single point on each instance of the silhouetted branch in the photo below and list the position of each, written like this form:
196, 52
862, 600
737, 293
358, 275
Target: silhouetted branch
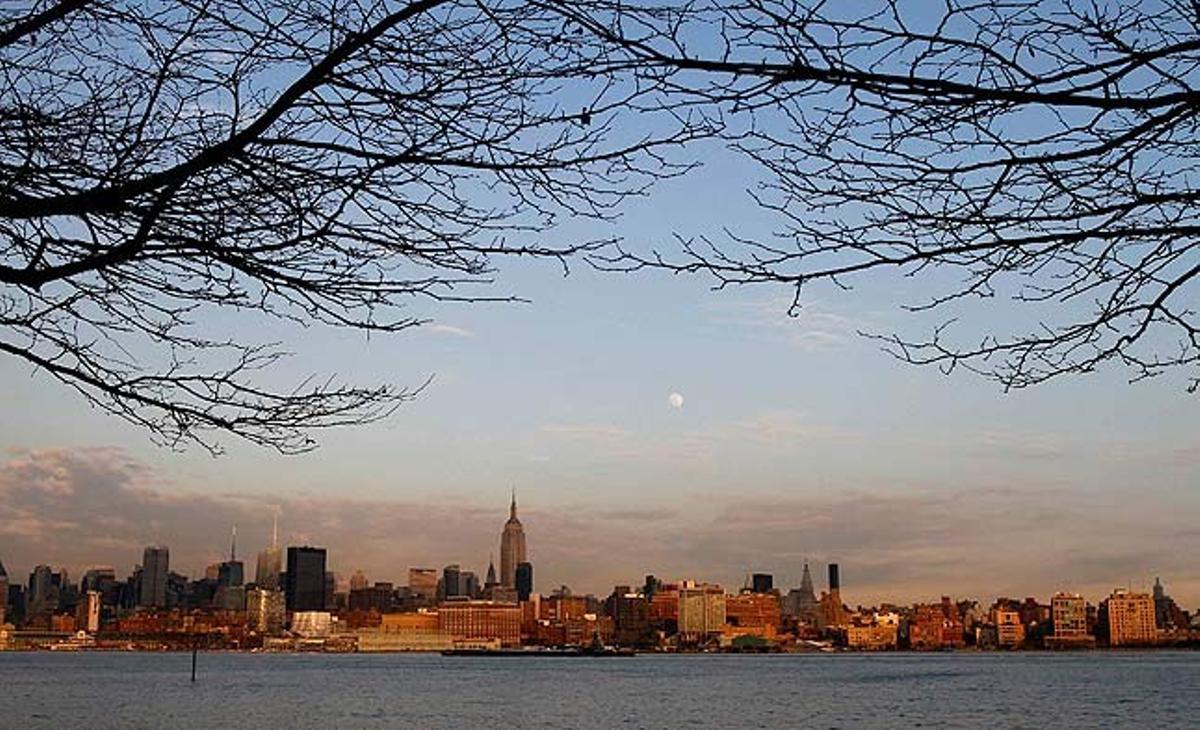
1040, 152
323, 162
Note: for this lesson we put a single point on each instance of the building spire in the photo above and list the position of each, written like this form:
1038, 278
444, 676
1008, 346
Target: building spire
512, 507
233, 546
275, 530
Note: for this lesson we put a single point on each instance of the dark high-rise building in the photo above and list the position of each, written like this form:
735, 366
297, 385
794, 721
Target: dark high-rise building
469, 584
156, 563
524, 581
331, 594
835, 582
452, 581
305, 579
3, 593
762, 582
42, 597
16, 603
631, 617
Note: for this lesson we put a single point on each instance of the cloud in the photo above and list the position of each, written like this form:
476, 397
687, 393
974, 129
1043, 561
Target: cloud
82, 507
781, 427
813, 328
587, 431
449, 329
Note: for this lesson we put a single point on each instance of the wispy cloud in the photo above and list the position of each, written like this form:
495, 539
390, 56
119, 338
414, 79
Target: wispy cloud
587, 431
449, 329
815, 327
783, 427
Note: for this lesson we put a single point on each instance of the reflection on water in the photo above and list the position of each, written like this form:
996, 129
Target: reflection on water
314, 691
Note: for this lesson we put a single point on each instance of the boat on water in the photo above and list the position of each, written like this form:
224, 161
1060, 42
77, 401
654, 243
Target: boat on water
606, 651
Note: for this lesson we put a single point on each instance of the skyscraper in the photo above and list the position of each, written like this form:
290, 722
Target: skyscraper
156, 562
452, 581
524, 581
305, 579
512, 546
3, 593
270, 562
232, 573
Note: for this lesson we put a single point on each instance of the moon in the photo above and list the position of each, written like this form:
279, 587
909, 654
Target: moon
675, 400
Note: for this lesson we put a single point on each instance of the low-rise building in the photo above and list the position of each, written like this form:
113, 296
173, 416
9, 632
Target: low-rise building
875, 633
481, 620
1010, 632
757, 614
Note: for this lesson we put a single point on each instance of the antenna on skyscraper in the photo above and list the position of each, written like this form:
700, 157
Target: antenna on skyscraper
233, 546
275, 529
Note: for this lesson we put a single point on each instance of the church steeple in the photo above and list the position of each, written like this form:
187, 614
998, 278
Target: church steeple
491, 573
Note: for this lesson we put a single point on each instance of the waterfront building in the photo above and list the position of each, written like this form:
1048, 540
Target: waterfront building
1068, 612
631, 617
512, 546
664, 607
265, 611
156, 563
936, 626
312, 624
1010, 632
1131, 619
758, 614
524, 580
468, 621
877, 633
701, 611
305, 579
413, 631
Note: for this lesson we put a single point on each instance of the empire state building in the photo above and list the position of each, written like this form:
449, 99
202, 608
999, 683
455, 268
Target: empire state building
512, 547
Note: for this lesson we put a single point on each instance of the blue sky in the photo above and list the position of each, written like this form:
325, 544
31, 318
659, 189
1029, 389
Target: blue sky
946, 483
797, 439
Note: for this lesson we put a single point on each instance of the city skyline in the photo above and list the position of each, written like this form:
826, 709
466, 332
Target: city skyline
866, 590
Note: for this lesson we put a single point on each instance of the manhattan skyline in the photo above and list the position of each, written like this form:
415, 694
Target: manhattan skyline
796, 437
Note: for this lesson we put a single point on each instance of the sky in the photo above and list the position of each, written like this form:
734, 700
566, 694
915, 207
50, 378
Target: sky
797, 439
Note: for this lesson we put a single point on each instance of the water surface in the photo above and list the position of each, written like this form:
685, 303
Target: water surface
122, 690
